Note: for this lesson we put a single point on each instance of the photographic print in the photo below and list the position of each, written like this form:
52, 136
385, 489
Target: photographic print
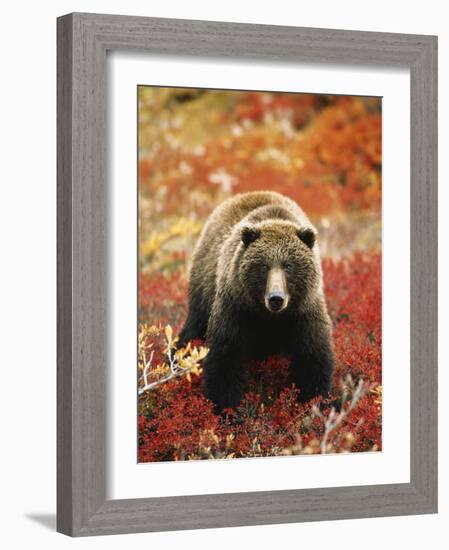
259, 274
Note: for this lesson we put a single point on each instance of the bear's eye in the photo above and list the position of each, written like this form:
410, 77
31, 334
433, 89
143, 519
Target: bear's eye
288, 266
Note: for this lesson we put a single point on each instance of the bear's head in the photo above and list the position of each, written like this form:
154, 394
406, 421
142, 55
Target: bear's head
279, 266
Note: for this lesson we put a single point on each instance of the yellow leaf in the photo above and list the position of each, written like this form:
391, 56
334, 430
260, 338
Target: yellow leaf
168, 333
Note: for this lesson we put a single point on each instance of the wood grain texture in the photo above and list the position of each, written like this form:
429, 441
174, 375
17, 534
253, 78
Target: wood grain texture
423, 274
83, 40
64, 276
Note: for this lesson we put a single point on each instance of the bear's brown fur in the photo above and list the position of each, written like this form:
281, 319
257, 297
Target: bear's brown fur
249, 241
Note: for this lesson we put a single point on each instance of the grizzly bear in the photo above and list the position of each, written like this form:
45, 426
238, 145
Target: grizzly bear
255, 290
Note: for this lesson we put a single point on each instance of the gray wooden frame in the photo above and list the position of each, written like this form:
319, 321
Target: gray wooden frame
83, 40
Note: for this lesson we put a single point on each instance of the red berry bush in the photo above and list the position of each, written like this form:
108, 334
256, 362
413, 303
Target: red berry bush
177, 422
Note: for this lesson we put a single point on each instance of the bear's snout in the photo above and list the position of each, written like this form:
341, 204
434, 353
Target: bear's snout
276, 294
275, 301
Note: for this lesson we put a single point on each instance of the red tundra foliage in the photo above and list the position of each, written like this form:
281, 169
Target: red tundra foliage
338, 156
177, 422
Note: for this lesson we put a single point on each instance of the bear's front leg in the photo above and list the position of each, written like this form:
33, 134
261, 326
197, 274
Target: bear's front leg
195, 325
222, 366
222, 378
312, 363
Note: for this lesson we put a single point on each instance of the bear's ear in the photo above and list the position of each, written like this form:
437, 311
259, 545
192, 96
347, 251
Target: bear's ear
307, 236
249, 235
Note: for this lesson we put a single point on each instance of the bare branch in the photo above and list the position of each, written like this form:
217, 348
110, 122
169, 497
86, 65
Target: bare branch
183, 361
334, 420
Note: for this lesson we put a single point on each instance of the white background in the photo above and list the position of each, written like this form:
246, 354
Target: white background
27, 287
131, 480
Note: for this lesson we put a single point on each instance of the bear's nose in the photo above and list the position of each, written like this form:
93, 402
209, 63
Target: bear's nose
276, 301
